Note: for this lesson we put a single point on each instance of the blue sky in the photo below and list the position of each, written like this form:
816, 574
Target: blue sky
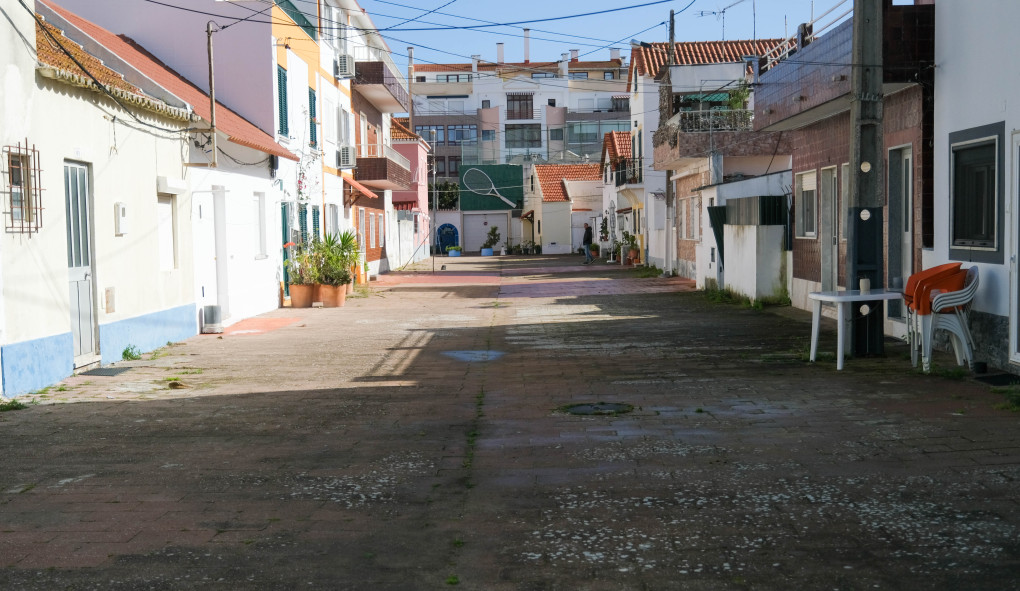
591, 35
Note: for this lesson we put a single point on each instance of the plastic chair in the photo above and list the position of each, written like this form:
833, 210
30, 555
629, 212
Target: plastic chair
917, 282
950, 311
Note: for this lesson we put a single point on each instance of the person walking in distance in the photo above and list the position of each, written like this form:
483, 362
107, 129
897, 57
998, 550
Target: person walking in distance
586, 242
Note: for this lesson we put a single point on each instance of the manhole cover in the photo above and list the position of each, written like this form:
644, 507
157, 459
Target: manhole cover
598, 408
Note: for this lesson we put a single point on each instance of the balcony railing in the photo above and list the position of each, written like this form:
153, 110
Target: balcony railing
383, 151
712, 120
627, 172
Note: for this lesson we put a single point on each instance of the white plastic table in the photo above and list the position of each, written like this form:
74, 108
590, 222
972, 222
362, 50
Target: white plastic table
842, 300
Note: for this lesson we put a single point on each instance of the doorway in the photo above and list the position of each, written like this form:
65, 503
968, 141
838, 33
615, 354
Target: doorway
829, 236
78, 202
901, 226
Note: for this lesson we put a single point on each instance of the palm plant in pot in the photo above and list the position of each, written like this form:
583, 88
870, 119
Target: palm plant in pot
349, 253
334, 273
491, 239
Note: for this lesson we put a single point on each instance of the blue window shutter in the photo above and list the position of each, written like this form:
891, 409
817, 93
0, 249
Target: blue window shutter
303, 222
315, 221
313, 139
281, 83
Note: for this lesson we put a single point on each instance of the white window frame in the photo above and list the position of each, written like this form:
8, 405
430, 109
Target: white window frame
805, 195
382, 231
260, 226
371, 230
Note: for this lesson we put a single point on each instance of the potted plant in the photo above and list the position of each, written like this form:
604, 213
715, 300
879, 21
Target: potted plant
453, 251
629, 246
594, 250
303, 275
491, 239
349, 252
334, 272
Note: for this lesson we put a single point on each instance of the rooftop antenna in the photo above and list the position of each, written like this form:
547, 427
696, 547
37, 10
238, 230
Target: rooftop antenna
721, 14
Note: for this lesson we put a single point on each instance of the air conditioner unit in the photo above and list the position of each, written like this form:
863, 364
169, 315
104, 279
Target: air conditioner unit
346, 157
343, 66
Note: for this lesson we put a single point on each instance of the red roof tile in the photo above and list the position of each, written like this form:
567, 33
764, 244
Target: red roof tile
237, 129
551, 177
399, 130
616, 145
50, 54
651, 61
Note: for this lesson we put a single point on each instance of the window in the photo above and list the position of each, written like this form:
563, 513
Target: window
332, 25
361, 228
313, 136
425, 131
543, 75
166, 222
620, 103
578, 75
486, 104
607, 75
681, 219
382, 233
488, 135
441, 166
604, 103
259, 203
806, 204
281, 100
462, 134
371, 230
332, 218
844, 197
584, 133
315, 222
453, 78
24, 205
454, 166
303, 222
343, 127
523, 136
552, 102
419, 79
520, 106
556, 134
973, 201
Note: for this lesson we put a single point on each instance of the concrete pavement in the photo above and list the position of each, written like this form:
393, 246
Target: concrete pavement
417, 439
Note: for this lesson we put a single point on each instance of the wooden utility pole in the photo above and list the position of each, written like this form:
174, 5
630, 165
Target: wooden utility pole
865, 251
670, 205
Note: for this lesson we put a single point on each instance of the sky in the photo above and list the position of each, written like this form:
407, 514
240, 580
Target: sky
592, 35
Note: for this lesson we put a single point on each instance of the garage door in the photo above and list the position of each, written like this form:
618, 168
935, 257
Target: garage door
476, 228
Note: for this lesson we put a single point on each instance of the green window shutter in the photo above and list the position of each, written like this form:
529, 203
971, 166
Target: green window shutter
313, 139
281, 104
315, 221
303, 222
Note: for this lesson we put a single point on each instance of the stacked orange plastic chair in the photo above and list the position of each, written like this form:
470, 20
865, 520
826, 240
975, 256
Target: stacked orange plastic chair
914, 293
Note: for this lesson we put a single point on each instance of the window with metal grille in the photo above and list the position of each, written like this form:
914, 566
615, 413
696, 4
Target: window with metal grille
24, 188
281, 100
313, 136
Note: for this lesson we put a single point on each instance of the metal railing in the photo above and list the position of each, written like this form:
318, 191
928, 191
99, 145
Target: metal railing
792, 44
383, 151
713, 120
627, 172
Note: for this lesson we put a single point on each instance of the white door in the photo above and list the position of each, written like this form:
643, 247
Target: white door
1013, 250
79, 263
829, 237
204, 231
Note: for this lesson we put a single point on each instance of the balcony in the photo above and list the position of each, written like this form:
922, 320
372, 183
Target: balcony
382, 167
378, 80
693, 135
712, 120
627, 172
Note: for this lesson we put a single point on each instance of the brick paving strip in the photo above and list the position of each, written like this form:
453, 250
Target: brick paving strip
415, 439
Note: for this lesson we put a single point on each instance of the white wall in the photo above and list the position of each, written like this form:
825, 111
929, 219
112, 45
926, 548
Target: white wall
754, 260
556, 238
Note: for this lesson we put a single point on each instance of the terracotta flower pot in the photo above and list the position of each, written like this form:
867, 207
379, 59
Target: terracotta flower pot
332, 296
301, 296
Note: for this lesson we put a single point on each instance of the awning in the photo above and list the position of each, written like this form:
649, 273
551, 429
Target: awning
528, 215
521, 93
619, 96
404, 205
356, 186
623, 211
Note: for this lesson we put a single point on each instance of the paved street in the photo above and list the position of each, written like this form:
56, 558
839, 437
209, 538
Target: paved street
417, 439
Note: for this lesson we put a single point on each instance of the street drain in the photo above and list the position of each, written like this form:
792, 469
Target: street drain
597, 408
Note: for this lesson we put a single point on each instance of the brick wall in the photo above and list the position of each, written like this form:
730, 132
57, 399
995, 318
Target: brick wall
686, 200
371, 206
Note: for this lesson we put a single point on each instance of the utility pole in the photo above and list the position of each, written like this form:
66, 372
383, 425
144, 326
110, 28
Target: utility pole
212, 92
865, 252
670, 206
410, 90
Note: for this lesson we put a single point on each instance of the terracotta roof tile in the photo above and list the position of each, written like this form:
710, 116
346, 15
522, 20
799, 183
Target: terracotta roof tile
399, 130
238, 129
51, 55
616, 145
551, 177
651, 61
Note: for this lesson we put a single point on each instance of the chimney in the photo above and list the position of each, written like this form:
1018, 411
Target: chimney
573, 55
527, 45
499, 53
474, 63
563, 65
614, 53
